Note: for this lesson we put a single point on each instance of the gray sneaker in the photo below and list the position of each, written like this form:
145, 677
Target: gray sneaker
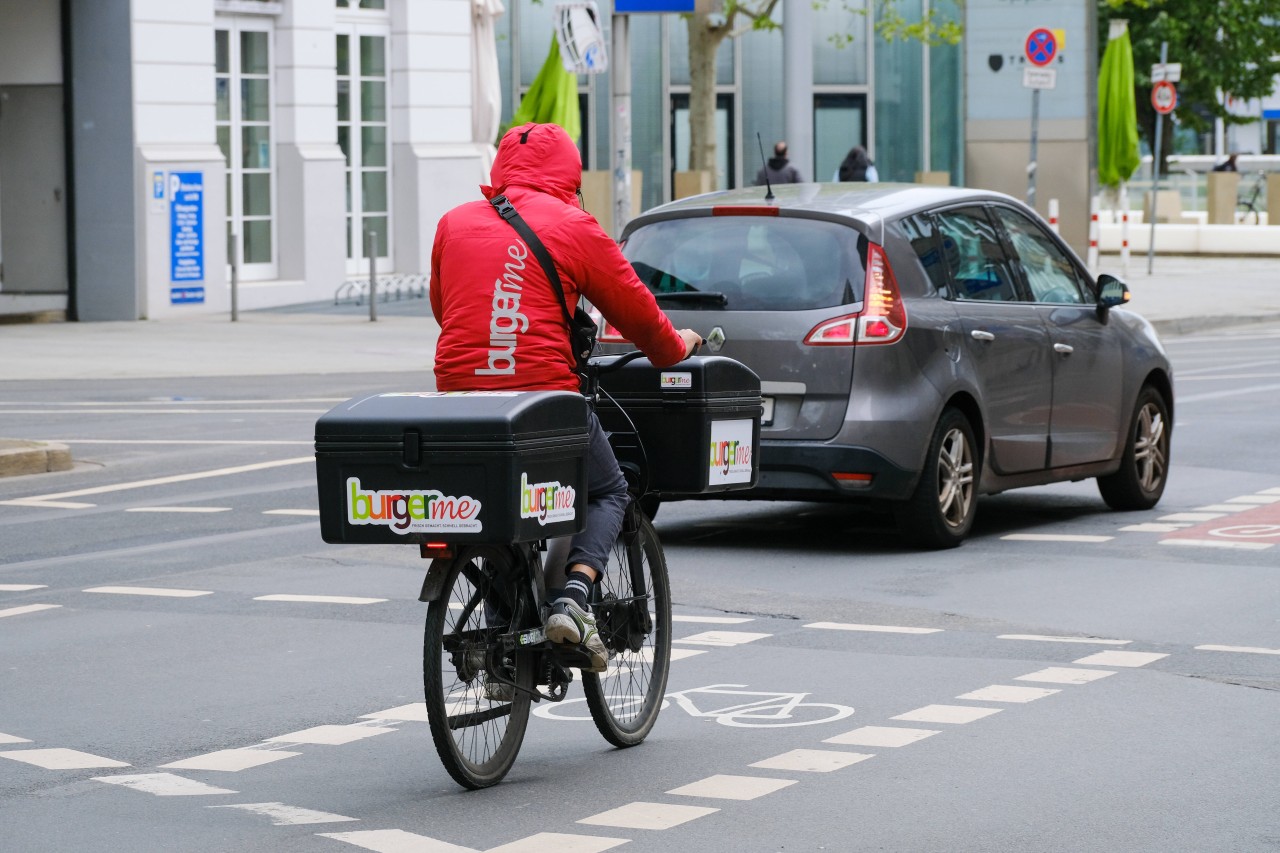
569, 623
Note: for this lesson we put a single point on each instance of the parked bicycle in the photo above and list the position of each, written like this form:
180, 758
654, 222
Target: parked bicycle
1251, 199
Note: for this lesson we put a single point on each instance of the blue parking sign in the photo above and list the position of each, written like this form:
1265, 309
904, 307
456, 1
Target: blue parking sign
186, 229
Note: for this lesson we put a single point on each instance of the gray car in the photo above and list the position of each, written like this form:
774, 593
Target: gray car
917, 346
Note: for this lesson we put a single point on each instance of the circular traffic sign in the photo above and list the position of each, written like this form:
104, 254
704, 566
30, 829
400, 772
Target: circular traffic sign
1164, 97
1042, 46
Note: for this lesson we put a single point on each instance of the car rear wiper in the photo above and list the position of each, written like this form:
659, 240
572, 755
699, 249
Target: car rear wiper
708, 297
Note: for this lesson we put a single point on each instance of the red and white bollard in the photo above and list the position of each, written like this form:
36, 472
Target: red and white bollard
1053, 215
1092, 259
1124, 229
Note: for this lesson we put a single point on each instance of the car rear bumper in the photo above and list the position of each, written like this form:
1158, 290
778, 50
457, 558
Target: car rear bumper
803, 470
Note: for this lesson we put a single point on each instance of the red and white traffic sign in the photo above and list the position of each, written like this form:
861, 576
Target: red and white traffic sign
1041, 46
1164, 97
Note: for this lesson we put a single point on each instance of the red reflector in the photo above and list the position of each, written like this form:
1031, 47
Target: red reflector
848, 477
435, 550
878, 329
744, 210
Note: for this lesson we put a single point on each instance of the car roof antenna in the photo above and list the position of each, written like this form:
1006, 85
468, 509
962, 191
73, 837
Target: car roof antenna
768, 196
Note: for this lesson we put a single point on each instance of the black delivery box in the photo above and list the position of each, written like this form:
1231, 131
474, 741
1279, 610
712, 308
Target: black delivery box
698, 422
457, 467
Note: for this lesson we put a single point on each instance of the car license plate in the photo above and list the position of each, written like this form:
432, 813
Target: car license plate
767, 418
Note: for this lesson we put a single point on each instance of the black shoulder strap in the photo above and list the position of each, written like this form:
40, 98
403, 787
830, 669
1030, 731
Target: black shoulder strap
508, 212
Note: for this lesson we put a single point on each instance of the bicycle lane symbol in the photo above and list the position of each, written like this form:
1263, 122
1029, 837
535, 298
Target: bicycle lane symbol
727, 706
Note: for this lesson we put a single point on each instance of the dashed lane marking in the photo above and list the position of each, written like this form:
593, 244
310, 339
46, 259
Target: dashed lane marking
180, 509
1055, 537
412, 713
21, 587
283, 815
712, 620
27, 608
396, 841
1154, 527
1191, 516
560, 842
150, 590
1218, 543
955, 714
1065, 675
231, 760
306, 512
164, 785
882, 629
1039, 638
4, 738
320, 599
723, 639
641, 815
1250, 650
1256, 500
724, 787
1129, 659
59, 758
1236, 507
887, 736
1008, 693
812, 760
332, 735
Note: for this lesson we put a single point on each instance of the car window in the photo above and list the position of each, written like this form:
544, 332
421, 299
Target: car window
920, 232
1050, 274
974, 257
758, 263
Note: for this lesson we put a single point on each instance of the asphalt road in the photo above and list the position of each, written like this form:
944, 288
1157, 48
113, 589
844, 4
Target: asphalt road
1106, 681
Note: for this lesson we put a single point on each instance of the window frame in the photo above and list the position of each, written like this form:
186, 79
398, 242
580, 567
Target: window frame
355, 24
1084, 283
1021, 294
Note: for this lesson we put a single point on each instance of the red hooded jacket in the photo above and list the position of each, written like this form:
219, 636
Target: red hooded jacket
501, 327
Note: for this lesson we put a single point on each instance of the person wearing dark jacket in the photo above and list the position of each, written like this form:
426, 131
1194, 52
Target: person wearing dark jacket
502, 328
857, 166
778, 170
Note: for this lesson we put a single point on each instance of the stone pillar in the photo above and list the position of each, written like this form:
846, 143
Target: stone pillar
1223, 187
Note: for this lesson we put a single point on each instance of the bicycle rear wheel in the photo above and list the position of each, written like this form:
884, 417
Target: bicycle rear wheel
633, 615
477, 722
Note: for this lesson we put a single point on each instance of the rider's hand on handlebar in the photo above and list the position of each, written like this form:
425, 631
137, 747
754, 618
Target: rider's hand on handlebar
692, 340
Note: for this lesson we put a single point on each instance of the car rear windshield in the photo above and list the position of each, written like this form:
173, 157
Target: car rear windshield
748, 263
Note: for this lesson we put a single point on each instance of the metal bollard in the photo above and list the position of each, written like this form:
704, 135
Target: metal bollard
370, 248
233, 257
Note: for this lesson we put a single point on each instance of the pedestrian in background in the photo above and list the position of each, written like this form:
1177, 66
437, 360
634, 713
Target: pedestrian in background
856, 166
778, 170
1229, 164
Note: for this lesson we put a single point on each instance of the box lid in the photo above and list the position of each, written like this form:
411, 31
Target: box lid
705, 377
456, 416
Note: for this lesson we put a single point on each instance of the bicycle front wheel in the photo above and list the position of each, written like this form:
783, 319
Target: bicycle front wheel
633, 615
477, 718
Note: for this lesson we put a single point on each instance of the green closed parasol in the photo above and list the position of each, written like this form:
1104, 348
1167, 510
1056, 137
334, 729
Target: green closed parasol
553, 97
1118, 153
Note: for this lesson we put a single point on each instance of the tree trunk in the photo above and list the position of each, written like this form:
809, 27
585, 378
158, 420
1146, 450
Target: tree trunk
704, 41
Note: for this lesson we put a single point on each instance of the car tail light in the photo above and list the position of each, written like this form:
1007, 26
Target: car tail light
883, 318
608, 334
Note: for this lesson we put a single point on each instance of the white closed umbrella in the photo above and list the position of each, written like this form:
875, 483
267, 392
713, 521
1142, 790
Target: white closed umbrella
486, 88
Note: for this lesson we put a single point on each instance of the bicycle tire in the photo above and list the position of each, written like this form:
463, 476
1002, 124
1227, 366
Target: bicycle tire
477, 737
639, 644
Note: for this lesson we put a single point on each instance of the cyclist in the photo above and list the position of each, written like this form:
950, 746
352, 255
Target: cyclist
502, 327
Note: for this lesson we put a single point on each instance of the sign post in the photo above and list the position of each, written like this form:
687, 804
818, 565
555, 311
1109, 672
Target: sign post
1164, 97
1041, 47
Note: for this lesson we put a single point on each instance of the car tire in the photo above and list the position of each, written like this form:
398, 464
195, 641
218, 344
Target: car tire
939, 514
1144, 467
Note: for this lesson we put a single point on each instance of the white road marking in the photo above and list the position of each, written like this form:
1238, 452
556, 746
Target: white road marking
1252, 650
44, 500
150, 590
1223, 508
4, 738
197, 442
881, 629
46, 504
331, 735
712, 620
1096, 641
1192, 516
1055, 537
1218, 543
812, 760
889, 736
188, 509
282, 815
560, 842
722, 787
1065, 675
307, 512
1275, 491
1130, 659
1259, 500
27, 608
21, 587
413, 713
61, 759
321, 599
1154, 527
1008, 693
168, 401
164, 785
1260, 390
231, 760
395, 841
957, 714
149, 412
681, 654
640, 815
722, 638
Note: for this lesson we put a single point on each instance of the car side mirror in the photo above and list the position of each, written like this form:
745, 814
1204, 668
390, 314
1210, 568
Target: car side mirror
1111, 292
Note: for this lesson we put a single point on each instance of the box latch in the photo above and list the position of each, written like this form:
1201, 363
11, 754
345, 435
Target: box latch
412, 448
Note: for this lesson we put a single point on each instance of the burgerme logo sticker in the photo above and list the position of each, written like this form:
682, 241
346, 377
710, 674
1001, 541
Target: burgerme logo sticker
411, 510
547, 502
730, 452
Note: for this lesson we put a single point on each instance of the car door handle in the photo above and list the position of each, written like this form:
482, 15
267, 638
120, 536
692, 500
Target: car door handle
1065, 349
979, 335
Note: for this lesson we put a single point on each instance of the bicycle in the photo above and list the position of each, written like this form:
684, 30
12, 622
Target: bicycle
1250, 199
486, 657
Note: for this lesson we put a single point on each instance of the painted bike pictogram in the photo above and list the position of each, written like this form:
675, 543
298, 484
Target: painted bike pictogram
765, 710
1248, 531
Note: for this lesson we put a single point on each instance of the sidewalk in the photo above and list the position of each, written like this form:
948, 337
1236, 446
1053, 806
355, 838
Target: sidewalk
1185, 294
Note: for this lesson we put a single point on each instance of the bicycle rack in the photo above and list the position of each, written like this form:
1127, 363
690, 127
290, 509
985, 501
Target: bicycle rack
354, 291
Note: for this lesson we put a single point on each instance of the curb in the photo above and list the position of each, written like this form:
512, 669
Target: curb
1191, 325
18, 457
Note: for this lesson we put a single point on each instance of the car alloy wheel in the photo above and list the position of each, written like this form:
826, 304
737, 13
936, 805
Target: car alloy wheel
940, 512
955, 478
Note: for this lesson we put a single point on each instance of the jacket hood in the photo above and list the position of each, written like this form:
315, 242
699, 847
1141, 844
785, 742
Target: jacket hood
777, 163
541, 157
